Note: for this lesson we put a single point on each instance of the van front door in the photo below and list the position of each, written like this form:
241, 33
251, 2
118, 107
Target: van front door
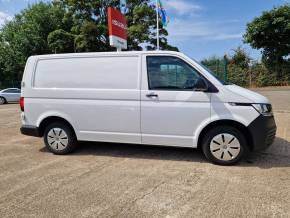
171, 110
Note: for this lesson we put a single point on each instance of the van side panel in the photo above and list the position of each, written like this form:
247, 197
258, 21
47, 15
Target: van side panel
87, 73
93, 94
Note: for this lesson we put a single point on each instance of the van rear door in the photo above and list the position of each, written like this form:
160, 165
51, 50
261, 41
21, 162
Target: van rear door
171, 110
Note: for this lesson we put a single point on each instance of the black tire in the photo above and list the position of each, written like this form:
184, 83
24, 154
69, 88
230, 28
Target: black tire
220, 130
71, 138
2, 100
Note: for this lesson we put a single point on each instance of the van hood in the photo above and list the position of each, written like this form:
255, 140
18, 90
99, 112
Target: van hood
253, 97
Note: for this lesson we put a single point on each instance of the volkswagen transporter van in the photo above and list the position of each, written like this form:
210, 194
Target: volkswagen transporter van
155, 98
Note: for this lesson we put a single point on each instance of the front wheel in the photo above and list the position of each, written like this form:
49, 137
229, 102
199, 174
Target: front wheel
224, 145
2, 100
59, 138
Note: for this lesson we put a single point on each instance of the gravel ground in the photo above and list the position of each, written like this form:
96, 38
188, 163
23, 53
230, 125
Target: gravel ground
114, 180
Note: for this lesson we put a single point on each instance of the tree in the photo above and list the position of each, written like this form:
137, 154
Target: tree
2, 61
260, 75
61, 41
239, 67
270, 32
90, 24
26, 35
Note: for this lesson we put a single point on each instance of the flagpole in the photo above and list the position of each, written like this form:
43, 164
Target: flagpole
157, 18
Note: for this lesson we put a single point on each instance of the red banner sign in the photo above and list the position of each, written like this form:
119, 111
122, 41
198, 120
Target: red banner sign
117, 28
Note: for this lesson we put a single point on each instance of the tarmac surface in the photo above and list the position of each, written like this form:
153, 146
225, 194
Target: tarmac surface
120, 180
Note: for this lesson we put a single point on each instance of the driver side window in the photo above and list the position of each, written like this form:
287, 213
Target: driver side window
170, 73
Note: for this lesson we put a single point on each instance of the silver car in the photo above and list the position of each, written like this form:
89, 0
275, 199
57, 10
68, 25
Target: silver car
9, 95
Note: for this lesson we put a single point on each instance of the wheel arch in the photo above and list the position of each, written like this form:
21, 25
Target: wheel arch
51, 119
241, 127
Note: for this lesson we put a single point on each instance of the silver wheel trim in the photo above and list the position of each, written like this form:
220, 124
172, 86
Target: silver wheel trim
2, 101
57, 139
225, 147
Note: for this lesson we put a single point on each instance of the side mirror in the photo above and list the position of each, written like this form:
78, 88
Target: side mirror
200, 85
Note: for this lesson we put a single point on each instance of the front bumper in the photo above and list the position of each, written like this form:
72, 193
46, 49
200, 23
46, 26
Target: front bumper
263, 130
30, 131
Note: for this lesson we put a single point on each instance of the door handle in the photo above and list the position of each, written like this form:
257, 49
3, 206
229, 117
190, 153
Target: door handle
152, 95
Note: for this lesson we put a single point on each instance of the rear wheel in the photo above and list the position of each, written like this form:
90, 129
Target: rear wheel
2, 100
59, 138
224, 145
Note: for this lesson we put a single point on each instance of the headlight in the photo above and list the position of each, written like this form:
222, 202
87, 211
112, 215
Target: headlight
264, 109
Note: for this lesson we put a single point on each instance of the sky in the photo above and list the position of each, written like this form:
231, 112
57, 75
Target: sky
199, 28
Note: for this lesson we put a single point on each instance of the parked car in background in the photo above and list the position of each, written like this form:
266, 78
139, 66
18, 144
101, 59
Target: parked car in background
9, 95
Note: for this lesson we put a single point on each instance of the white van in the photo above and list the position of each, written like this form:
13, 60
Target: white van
156, 98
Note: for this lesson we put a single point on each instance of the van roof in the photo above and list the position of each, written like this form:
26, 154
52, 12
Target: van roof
104, 53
